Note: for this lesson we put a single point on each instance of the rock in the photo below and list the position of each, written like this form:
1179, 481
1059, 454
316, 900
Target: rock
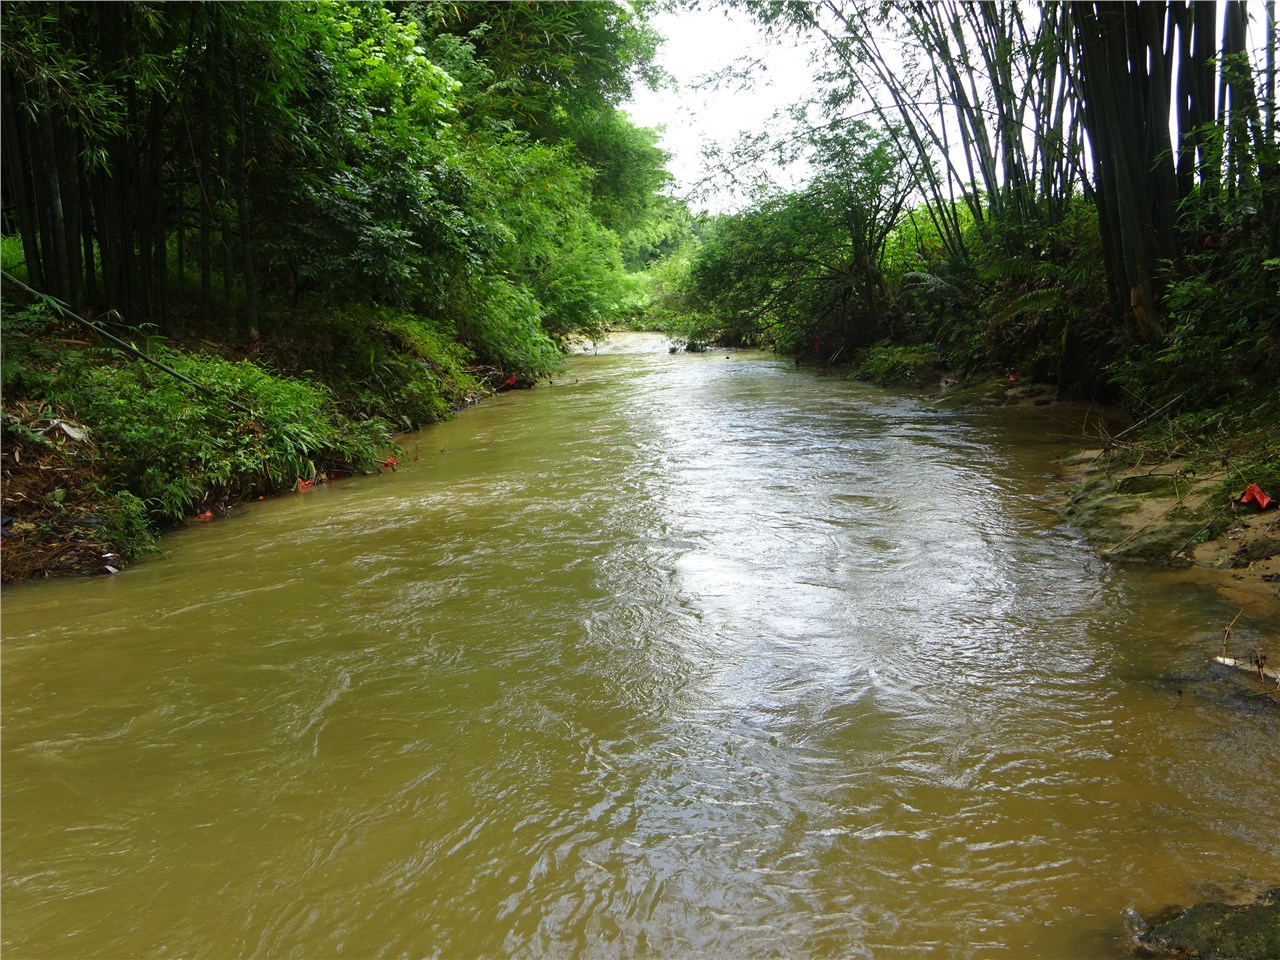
1082, 458
1158, 483
1158, 545
1263, 548
1221, 931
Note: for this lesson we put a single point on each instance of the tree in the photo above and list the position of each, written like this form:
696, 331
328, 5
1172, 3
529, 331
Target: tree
319, 151
1005, 112
805, 265
559, 72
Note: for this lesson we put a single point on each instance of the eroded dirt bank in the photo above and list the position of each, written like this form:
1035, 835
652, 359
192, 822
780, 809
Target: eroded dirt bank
1179, 506
1171, 513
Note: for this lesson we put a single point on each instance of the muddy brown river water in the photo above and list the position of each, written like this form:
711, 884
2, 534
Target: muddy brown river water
680, 656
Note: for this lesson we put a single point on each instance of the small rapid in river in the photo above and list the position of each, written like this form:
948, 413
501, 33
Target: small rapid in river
681, 655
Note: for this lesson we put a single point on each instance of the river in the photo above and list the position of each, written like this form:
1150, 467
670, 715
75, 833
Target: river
691, 655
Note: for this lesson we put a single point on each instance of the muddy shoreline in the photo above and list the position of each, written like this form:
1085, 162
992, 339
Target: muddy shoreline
1167, 514
1139, 508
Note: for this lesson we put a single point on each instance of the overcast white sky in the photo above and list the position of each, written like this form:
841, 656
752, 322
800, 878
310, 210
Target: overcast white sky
699, 43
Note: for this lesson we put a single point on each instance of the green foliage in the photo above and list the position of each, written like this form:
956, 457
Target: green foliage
430, 343
890, 365
807, 263
437, 207
1039, 312
401, 202
667, 230
381, 364
47, 45
126, 524
370, 204
27, 356
1222, 302
503, 322
465, 163
662, 287
582, 289
566, 264
629, 168
179, 448
13, 259
553, 64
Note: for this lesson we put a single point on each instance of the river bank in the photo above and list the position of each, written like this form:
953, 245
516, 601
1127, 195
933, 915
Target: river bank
104, 449
1169, 513
813, 662
1126, 497
1137, 497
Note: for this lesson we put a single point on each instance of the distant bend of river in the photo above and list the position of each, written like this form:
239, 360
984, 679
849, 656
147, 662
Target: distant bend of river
682, 655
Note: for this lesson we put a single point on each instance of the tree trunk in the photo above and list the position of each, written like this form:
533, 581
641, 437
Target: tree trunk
180, 201
68, 175
141, 213
17, 166
242, 205
1158, 30
1269, 91
1105, 33
159, 215
1185, 169
1204, 115
227, 245
204, 172
87, 230
53, 217
1249, 142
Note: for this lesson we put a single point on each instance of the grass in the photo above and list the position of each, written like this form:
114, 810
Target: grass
103, 449
12, 257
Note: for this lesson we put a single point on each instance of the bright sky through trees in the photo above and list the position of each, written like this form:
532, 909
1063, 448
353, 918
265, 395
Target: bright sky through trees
699, 45
702, 44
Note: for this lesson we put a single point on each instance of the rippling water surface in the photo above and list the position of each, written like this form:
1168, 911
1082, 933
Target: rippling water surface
680, 656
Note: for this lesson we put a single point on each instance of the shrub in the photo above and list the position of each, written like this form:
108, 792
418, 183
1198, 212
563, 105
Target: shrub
381, 364
181, 447
896, 366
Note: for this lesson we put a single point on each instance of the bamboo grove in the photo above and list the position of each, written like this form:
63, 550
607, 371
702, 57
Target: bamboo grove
175, 163
1039, 146
1087, 192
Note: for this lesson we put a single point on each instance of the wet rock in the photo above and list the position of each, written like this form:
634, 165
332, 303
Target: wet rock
1079, 458
1221, 931
1158, 483
1160, 545
981, 393
1262, 549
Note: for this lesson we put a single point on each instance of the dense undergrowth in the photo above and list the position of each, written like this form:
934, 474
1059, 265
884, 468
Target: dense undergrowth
103, 449
331, 223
